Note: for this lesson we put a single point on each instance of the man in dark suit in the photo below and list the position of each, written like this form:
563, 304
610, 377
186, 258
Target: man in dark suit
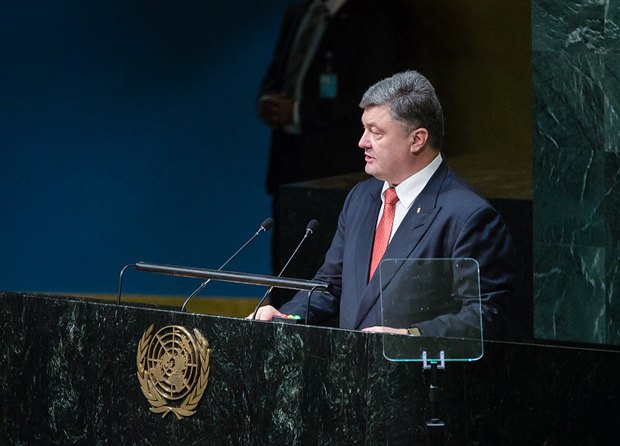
421, 209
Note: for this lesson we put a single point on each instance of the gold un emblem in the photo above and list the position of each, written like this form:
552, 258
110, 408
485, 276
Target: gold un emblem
173, 365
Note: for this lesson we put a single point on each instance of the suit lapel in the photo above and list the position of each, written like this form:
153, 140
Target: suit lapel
405, 240
402, 245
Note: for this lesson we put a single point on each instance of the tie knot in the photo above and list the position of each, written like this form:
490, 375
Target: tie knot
390, 196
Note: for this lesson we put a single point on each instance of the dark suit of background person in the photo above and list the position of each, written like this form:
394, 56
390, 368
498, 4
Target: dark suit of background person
361, 47
447, 219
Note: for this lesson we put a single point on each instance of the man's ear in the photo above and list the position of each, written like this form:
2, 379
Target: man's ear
418, 140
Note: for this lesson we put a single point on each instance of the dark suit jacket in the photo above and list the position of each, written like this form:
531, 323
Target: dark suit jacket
453, 222
362, 40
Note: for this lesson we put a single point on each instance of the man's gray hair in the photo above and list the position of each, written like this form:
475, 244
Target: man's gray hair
412, 101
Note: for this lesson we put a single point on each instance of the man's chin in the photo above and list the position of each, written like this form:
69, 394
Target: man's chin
372, 171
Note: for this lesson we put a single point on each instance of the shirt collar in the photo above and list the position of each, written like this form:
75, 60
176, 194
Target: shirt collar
334, 5
409, 189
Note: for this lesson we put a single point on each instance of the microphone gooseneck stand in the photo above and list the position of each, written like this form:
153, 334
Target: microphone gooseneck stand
310, 228
265, 226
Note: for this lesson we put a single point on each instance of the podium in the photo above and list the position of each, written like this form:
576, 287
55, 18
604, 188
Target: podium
68, 375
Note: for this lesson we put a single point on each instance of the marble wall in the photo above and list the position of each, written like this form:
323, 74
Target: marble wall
576, 159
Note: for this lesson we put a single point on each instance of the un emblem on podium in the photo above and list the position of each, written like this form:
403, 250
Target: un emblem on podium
173, 365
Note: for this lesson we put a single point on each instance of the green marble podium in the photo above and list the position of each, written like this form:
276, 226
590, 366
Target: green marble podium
68, 375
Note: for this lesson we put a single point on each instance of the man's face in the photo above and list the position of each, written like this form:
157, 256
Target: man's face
387, 148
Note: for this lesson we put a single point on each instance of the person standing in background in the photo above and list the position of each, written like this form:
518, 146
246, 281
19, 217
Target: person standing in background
327, 53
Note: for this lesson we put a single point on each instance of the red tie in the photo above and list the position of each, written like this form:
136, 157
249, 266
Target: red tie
384, 229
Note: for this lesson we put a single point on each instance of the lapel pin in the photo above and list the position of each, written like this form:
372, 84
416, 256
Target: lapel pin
418, 211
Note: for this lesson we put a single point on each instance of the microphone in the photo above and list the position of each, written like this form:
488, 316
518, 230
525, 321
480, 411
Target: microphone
265, 226
310, 228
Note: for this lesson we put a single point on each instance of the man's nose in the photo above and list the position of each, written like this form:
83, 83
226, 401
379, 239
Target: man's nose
364, 142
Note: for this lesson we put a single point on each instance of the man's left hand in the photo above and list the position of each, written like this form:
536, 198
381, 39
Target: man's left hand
382, 329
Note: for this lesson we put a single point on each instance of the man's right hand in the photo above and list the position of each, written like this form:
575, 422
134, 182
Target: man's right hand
276, 109
266, 313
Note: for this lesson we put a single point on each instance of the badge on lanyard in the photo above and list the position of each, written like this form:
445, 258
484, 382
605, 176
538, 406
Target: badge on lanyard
328, 85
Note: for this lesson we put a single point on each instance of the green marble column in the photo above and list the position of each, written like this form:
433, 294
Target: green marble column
575, 68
